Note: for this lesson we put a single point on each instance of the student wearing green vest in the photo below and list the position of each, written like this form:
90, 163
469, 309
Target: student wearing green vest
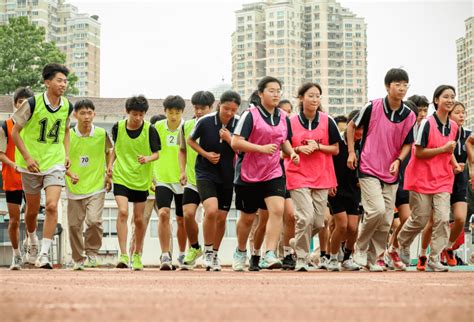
168, 185
41, 135
202, 102
136, 146
86, 183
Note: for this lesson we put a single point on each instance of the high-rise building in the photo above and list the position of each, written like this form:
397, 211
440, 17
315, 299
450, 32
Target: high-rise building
298, 41
465, 58
76, 34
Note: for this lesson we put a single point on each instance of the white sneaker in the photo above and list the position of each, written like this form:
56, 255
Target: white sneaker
91, 262
166, 264
323, 263
208, 257
436, 266
375, 268
301, 265
78, 266
340, 254
238, 262
181, 260
216, 264
17, 263
360, 257
43, 262
404, 254
31, 254
349, 265
333, 265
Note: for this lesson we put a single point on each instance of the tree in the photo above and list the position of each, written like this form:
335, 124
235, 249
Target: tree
23, 54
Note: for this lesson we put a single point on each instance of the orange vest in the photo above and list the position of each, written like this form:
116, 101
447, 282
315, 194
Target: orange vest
11, 178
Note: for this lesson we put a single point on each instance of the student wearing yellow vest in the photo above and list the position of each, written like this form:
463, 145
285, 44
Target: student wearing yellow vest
41, 135
12, 178
168, 185
202, 102
136, 146
86, 183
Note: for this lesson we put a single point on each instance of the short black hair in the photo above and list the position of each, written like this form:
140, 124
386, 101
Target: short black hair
262, 84
204, 98
352, 115
50, 70
84, 103
419, 100
412, 106
22, 93
306, 87
156, 118
340, 119
396, 75
284, 102
439, 90
137, 103
230, 96
174, 101
254, 99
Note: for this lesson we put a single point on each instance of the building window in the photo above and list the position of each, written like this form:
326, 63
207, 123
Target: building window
280, 14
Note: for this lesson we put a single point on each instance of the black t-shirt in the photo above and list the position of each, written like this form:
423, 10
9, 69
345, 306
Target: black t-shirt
346, 178
206, 133
154, 138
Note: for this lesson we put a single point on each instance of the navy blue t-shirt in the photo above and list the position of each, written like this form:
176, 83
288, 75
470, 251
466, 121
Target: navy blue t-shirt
206, 134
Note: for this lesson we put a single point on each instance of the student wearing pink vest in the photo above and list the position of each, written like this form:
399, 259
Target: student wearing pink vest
430, 176
261, 133
386, 141
316, 138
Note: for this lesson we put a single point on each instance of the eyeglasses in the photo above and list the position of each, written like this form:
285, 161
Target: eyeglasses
401, 85
275, 92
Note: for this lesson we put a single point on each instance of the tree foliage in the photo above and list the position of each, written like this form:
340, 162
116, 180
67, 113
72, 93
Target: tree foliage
23, 54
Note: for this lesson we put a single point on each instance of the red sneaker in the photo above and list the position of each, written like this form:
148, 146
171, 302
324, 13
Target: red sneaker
421, 265
450, 258
397, 262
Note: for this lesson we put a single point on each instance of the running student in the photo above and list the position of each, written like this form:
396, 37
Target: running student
86, 184
12, 180
214, 172
316, 139
386, 142
168, 186
202, 103
41, 135
136, 146
259, 181
345, 205
458, 196
430, 190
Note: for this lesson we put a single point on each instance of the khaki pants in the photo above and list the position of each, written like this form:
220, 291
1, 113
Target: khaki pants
310, 207
421, 206
88, 210
378, 200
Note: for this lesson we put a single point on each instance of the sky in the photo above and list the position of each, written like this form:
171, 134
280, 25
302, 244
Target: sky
159, 48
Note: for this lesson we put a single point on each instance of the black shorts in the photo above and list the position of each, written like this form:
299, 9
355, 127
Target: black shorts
287, 194
340, 203
191, 196
250, 198
164, 196
14, 197
208, 189
402, 198
132, 195
459, 189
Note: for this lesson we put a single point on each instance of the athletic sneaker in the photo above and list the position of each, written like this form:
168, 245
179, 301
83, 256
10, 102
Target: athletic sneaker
43, 262
388, 261
166, 264
349, 265
301, 265
216, 263
137, 264
395, 260
78, 266
450, 258
421, 265
375, 267
333, 265
381, 263
404, 255
360, 257
31, 253
181, 260
238, 263
91, 262
436, 266
270, 261
208, 260
254, 263
191, 257
288, 262
323, 262
340, 254
124, 261
17, 263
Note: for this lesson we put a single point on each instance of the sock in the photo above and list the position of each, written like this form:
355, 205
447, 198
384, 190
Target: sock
347, 254
333, 256
33, 238
196, 245
256, 252
242, 251
182, 254
286, 251
16, 252
208, 248
45, 245
322, 254
391, 249
450, 244
216, 253
423, 252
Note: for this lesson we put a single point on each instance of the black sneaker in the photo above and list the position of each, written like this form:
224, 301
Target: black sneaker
253, 263
288, 262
